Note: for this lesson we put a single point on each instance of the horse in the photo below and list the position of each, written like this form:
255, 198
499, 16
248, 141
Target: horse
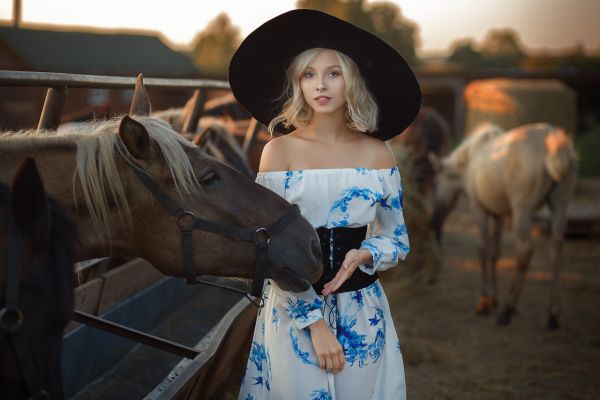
215, 139
429, 133
40, 239
510, 174
100, 175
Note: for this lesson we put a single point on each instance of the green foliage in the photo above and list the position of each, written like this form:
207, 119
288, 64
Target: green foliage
588, 148
213, 47
465, 54
501, 48
382, 18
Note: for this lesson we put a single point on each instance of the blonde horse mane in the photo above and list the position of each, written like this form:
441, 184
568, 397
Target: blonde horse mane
96, 168
483, 133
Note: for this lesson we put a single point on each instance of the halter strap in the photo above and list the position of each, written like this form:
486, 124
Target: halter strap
11, 315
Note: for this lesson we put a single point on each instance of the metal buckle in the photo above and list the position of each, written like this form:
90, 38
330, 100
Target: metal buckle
183, 225
11, 319
261, 237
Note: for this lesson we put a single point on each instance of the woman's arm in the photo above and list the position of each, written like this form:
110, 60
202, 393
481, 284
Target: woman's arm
304, 309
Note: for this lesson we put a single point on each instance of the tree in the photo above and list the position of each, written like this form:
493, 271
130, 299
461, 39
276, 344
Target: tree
213, 47
463, 52
397, 31
501, 48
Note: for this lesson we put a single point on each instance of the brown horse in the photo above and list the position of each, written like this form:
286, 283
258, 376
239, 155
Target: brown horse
39, 238
510, 174
118, 216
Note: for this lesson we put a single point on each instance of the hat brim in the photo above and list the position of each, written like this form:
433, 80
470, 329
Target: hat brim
257, 69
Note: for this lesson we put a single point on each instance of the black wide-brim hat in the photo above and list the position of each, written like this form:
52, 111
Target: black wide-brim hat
258, 67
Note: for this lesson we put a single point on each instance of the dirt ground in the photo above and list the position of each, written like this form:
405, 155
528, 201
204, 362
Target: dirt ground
450, 353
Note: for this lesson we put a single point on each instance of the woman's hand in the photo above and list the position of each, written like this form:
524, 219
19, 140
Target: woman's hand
353, 259
327, 347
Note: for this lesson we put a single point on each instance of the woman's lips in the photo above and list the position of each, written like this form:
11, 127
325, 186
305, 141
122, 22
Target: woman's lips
322, 99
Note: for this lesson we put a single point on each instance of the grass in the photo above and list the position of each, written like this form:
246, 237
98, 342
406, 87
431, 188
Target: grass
587, 145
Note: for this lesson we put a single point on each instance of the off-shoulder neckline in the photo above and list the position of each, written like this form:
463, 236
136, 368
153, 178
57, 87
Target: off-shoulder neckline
329, 170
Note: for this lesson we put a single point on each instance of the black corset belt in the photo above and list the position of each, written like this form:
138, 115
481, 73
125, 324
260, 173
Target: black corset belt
339, 241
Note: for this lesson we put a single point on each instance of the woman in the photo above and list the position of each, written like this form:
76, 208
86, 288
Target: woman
338, 92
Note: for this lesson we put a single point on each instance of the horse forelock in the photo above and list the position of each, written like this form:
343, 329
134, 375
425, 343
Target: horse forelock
96, 168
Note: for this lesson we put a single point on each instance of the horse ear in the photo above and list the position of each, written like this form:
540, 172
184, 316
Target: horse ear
140, 104
135, 137
30, 207
436, 163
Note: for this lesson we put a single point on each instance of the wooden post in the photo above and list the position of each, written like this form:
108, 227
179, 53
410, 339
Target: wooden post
53, 106
190, 122
459, 109
250, 137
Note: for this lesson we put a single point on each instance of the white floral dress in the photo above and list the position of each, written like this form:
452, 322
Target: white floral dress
282, 363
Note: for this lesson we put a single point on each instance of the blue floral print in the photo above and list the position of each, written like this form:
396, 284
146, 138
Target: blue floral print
321, 394
303, 356
293, 177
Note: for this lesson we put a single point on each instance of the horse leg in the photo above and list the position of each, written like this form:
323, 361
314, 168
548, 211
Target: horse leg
558, 200
524, 247
486, 295
494, 254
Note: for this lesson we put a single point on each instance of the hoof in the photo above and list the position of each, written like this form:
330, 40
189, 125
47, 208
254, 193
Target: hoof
506, 315
485, 305
553, 324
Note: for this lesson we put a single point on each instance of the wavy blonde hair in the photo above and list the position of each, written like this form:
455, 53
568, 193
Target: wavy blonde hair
362, 113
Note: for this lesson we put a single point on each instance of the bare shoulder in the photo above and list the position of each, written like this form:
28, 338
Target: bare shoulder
274, 155
378, 152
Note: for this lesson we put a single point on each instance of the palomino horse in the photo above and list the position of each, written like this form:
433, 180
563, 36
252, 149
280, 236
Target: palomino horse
119, 216
510, 174
37, 238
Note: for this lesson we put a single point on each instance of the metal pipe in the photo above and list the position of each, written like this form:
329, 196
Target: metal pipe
57, 79
135, 335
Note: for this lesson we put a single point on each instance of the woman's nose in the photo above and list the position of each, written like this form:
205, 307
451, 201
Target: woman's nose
321, 85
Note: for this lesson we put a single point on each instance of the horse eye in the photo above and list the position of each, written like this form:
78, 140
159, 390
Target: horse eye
209, 179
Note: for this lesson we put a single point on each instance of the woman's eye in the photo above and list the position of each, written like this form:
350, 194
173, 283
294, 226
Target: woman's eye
209, 179
308, 74
334, 74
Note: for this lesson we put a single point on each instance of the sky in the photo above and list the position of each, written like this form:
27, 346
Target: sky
541, 24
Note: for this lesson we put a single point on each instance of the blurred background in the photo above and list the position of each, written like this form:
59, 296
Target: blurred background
506, 62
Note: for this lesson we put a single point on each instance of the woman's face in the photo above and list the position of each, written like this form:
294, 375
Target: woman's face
322, 84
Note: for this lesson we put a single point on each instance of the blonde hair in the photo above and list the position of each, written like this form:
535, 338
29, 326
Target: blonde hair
362, 113
96, 168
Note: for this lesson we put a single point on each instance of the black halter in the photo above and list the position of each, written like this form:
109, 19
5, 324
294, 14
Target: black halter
188, 222
11, 315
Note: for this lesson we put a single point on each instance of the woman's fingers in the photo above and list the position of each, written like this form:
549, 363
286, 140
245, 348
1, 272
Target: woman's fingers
322, 362
335, 359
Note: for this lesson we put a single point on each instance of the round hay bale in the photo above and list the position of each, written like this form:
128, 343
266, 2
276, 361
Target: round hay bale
510, 103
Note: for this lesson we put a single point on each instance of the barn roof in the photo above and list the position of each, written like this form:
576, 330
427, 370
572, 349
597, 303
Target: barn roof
97, 53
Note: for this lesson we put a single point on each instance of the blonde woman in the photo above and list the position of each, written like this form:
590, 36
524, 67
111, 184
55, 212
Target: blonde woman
336, 92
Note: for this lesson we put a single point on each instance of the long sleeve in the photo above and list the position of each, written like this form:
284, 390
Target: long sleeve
302, 308
387, 240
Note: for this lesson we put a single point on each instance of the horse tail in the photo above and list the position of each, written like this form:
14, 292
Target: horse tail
560, 154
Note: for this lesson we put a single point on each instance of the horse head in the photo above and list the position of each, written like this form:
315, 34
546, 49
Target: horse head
212, 191
447, 186
43, 278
